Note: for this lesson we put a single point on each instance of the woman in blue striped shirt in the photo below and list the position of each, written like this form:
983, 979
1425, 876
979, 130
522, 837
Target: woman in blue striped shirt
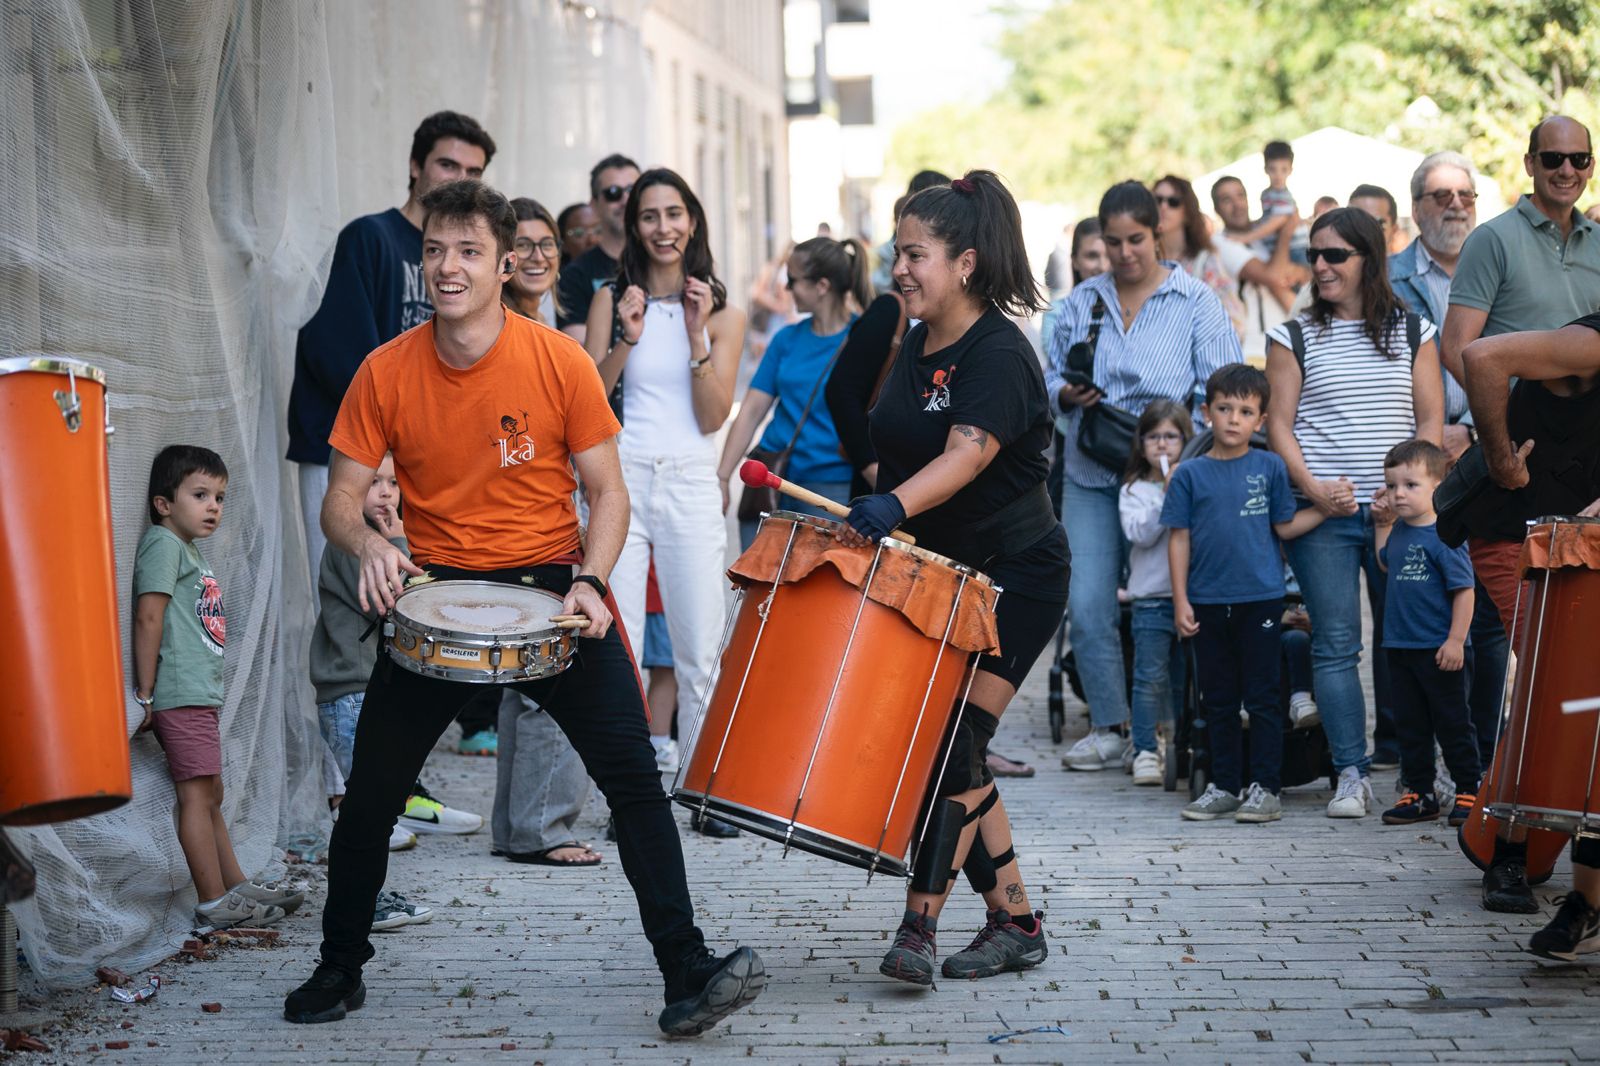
1161, 335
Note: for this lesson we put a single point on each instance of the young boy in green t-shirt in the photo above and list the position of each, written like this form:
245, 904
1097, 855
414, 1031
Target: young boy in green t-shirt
179, 631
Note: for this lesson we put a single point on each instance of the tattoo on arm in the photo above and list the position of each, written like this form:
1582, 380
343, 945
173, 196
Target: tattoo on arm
980, 437
1014, 893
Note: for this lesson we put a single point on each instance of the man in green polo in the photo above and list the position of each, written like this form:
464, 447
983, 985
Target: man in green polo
1535, 267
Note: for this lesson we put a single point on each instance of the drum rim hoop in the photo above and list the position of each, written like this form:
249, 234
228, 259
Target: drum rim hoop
52, 364
888, 542
471, 639
1559, 519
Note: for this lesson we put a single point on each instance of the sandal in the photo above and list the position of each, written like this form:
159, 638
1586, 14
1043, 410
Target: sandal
542, 858
1001, 766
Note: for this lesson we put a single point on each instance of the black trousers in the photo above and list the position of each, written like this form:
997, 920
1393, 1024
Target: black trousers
1486, 672
1237, 662
597, 703
1429, 704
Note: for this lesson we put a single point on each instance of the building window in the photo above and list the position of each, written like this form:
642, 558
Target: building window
855, 101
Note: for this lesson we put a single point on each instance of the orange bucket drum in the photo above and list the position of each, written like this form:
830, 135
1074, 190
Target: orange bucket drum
1547, 760
63, 727
839, 678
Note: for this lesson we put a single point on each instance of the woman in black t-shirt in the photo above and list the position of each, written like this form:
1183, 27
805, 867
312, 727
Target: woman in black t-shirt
960, 431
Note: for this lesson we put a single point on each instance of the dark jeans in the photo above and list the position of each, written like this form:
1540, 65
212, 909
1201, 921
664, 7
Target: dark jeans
1486, 672
1384, 735
597, 703
1430, 704
1297, 659
1236, 663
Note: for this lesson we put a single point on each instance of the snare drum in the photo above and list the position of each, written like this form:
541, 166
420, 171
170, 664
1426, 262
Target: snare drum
839, 679
483, 632
1547, 761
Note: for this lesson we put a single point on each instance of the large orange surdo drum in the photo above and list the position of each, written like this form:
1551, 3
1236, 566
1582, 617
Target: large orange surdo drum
63, 727
1547, 762
839, 678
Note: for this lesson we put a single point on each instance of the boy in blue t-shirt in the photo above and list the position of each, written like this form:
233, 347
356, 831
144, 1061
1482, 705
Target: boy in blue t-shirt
1226, 510
1426, 616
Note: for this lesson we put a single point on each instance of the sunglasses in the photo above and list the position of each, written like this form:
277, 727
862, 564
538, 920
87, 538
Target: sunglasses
1334, 256
580, 232
1442, 197
525, 247
1173, 202
614, 193
1553, 160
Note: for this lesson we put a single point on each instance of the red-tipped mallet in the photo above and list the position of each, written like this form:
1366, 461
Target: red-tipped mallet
755, 474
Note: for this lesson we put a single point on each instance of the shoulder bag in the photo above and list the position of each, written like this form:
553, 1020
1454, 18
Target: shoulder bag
1105, 432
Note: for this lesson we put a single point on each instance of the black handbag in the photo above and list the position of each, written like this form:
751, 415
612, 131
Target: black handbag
754, 502
1105, 432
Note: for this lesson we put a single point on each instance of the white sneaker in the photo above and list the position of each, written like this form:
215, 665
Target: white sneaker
1096, 750
1351, 798
402, 839
666, 755
1149, 768
424, 814
1303, 713
234, 909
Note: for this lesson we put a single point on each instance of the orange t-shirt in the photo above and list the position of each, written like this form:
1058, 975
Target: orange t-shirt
481, 454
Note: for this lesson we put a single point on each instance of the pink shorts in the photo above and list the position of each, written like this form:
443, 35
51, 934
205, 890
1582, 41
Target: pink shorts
192, 741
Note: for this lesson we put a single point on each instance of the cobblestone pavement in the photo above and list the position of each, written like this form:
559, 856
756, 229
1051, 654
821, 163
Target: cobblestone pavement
1309, 940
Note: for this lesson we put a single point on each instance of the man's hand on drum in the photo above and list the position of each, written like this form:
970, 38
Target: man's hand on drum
583, 599
383, 574
871, 519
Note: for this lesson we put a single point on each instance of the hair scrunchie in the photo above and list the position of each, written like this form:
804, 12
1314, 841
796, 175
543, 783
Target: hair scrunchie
963, 185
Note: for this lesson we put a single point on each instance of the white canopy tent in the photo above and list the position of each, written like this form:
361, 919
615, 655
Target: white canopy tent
1331, 162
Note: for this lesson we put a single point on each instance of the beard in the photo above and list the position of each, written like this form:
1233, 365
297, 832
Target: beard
1445, 235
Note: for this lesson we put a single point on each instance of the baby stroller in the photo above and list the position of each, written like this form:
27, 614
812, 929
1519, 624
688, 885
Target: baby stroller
1306, 756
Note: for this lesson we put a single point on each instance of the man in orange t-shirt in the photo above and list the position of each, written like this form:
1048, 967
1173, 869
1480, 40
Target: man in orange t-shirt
487, 414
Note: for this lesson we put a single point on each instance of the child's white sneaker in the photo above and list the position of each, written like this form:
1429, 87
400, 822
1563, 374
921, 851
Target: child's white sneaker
233, 909
272, 893
1096, 750
1148, 768
1303, 713
1352, 797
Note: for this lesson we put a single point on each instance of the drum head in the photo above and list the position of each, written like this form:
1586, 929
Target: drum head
478, 609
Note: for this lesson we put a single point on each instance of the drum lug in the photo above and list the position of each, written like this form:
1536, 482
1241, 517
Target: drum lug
388, 630
427, 649
494, 656
71, 409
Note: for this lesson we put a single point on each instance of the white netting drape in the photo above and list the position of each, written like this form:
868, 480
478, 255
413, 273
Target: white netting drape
174, 176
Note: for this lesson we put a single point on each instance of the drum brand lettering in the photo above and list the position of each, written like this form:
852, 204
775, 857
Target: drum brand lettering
208, 608
516, 447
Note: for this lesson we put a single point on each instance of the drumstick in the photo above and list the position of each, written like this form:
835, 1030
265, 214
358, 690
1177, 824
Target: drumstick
570, 621
755, 474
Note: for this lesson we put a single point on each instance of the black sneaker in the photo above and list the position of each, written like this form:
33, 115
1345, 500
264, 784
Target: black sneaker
708, 989
1411, 808
331, 993
1506, 888
1574, 931
1462, 810
911, 958
1000, 946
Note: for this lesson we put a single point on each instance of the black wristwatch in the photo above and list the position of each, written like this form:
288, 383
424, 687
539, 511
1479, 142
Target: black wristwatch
594, 582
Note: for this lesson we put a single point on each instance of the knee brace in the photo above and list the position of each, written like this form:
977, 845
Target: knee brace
981, 868
931, 868
967, 765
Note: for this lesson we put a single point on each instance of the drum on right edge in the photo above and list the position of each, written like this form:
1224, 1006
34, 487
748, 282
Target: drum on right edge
1546, 772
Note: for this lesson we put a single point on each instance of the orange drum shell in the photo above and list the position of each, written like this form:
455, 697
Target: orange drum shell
63, 719
851, 792
1546, 761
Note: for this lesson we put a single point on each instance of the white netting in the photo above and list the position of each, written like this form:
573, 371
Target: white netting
174, 177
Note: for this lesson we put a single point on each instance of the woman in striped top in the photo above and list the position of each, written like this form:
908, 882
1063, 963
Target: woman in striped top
1161, 335
1359, 392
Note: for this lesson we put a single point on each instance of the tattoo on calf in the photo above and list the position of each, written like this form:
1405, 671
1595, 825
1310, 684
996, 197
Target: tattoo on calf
1014, 893
980, 437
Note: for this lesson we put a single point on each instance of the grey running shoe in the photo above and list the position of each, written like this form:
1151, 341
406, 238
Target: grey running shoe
236, 909
708, 989
1212, 804
1259, 806
911, 958
1000, 947
272, 893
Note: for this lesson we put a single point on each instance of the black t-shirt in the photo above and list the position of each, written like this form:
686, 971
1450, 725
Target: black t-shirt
580, 280
989, 379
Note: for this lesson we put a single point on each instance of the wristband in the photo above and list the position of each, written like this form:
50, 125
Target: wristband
593, 582
147, 702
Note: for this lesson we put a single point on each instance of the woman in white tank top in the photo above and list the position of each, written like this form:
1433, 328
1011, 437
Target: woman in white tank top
673, 341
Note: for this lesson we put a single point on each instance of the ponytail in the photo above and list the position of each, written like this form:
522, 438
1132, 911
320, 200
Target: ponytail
976, 211
843, 264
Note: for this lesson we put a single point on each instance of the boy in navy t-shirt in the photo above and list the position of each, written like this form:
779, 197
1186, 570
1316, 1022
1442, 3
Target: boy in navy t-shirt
1427, 613
1226, 510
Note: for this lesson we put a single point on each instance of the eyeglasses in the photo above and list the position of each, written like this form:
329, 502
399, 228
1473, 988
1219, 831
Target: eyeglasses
525, 247
1173, 202
1442, 197
615, 193
1553, 160
1334, 256
1164, 438
580, 232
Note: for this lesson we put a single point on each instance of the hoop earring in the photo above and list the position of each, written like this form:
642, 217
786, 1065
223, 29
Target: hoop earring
963, 281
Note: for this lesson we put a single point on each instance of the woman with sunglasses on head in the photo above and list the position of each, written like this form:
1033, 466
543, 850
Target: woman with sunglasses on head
1186, 239
1351, 378
1158, 335
665, 331
960, 430
825, 276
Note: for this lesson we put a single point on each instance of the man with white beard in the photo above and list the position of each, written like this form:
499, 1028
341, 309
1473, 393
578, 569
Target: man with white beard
1444, 206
